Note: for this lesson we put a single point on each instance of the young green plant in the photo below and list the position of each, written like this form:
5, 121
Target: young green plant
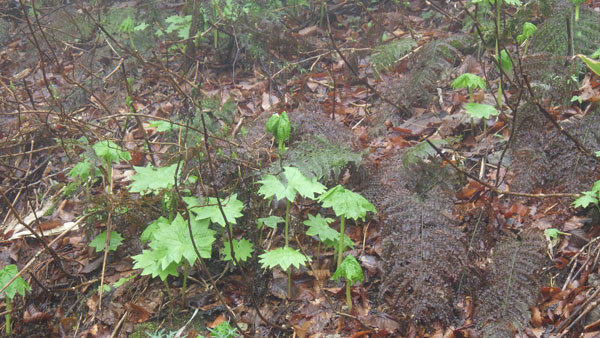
292, 182
351, 270
346, 204
471, 82
279, 126
19, 285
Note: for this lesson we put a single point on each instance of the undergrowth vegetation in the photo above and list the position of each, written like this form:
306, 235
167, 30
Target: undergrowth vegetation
279, 168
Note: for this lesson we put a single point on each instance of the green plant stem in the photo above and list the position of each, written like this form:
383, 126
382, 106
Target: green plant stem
7, 317
498, 8
348, 298
185, 275
576, 12
471, 94
287, 222
341, 246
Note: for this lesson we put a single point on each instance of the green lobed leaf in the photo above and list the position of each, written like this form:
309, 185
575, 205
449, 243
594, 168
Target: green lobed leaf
272, 186
149, 262
319, 226
282, 257
148, 233
553, 233
19, 285
82, 170
346, 202
478, 110
110, 152
305, 187
150, 179
270, 221
174, 240
586, 199
468, 80
232, 207
349, 269
243, 249
271, 125
115, 240
162, 126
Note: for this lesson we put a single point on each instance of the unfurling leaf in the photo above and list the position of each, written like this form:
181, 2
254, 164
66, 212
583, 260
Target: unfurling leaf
349, 269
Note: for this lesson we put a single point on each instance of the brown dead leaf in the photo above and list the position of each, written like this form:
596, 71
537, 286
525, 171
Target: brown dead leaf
268, 101
221, 318
137, 313
302, 329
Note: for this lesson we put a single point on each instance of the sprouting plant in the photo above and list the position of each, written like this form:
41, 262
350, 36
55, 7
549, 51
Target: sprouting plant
223, 330
118, 283
279, 126
115, 240
109, 152
128, 26
346, 204
319, 226
171, 246
589, 197
19, 285
577, 3
154, 180
470, 82
351, 270
292, 182
528, 30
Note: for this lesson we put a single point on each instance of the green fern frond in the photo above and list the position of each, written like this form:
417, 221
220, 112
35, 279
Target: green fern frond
317, 157
385, 56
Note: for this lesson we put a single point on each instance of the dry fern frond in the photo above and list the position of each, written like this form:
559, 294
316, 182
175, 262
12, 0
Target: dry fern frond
424, 265
514, 284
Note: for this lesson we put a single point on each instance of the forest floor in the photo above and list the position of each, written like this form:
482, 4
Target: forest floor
469, 230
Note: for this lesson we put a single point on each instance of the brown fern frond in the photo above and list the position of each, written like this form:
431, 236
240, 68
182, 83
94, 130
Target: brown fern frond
514, 283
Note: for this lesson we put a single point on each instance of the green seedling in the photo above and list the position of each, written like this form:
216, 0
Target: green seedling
553, 233
271, 222
589, 197
117, 284
282, 257
528, 30
351, 270
242, 248
171, 246
292, 182
115, 240
345, 204
109, 152
470, 82
128, 26
152, 180
279, 126
577, 3
224, 330
19, 285
319, 226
